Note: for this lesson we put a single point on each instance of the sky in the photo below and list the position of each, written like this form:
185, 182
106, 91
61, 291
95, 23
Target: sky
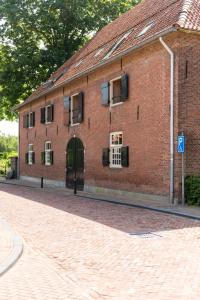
9, 128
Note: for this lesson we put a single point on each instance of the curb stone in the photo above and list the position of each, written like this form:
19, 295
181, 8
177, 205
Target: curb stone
17, 248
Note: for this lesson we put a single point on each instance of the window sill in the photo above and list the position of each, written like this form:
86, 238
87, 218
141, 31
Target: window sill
116, 104
116, 167
72, 125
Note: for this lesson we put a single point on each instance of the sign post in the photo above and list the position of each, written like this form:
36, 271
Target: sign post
181, 149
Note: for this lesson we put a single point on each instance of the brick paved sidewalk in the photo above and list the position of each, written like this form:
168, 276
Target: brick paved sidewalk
151, 201
98, 247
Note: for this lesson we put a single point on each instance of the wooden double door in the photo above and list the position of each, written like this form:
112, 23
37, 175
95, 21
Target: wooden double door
75, 164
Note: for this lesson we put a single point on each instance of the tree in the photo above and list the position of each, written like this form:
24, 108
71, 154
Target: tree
37, 36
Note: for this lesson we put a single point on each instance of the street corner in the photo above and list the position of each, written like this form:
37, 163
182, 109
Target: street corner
11, 246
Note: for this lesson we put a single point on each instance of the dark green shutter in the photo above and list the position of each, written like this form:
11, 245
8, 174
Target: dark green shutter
27, 120
105, 93
33, 119
124, 87
80, 107
26, 158
51, 157
43, 158
125, 156
33, 157
42, 115
106, 157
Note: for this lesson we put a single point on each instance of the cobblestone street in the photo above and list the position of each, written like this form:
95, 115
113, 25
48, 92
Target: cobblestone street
79, 249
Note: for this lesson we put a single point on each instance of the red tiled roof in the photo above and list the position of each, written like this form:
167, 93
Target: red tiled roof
165, 14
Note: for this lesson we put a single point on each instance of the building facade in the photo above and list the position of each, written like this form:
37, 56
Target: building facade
105, 117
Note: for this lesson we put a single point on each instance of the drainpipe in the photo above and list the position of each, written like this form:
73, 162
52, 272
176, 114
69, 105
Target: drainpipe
171, 119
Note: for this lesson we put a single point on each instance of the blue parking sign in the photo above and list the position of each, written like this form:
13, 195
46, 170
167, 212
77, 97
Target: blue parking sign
181, 144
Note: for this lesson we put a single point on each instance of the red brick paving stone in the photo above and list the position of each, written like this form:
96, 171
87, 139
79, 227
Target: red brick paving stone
89, 242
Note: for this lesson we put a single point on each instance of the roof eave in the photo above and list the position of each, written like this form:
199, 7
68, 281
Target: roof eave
102, 63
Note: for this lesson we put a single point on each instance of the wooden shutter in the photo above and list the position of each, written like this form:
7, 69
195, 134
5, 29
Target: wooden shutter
105, 93
51, 117
26, 158
80, 107
67, 110
42, 115
43, 158
33, 124
125, 156
106, 157
51, 157
33, 157
25, 121
124, 87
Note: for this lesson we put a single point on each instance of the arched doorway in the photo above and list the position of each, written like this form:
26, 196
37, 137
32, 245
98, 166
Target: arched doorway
75, 164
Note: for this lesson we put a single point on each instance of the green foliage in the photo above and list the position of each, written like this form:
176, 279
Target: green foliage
192, 189
8, 149
37, 36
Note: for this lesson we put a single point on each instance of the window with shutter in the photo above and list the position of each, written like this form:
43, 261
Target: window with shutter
105, 93
106, 157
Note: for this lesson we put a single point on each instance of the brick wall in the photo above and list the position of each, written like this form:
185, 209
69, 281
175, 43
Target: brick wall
147, 137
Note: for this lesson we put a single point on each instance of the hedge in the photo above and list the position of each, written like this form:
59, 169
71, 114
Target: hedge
192, 190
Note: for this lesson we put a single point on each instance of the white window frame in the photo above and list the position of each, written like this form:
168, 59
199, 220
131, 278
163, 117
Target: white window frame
111, 92
46, 114
47, 152
30, 154
114, 150
71, 110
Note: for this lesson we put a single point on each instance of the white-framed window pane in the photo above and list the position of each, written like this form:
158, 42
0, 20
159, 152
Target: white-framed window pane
30, 157
116, 143
48, 146
47, 157
74, 109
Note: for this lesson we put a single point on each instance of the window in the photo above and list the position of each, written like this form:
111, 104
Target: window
48, 151
116, 143
117, 44
74, 109
47, 114
115, 91
29, 120
146, 28
30, 155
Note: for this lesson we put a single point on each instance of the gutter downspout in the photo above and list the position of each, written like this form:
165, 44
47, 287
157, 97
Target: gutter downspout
171, 53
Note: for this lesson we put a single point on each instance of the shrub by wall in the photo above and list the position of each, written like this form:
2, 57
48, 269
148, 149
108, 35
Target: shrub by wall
192, 190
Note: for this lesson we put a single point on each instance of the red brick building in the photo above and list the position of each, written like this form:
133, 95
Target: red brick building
110, 116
